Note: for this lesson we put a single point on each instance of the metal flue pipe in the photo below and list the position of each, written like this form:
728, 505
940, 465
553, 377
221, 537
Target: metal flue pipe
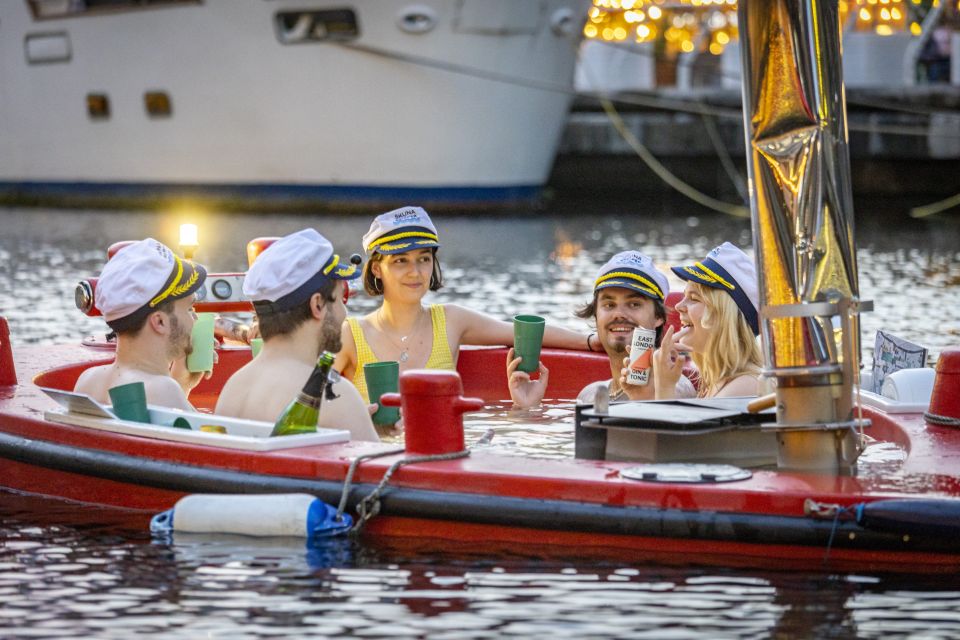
802, 213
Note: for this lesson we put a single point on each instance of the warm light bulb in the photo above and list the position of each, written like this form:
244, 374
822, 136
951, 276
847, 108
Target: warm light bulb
188, 235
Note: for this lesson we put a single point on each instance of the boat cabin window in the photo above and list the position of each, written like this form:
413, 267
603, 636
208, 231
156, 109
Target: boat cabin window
48, 9
98, 106
295, 27
157, 104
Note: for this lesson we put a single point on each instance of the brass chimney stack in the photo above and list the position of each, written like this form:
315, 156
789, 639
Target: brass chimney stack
802, 214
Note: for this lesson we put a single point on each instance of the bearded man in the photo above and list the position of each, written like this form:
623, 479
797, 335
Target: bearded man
146, 294
628, 292
298, 287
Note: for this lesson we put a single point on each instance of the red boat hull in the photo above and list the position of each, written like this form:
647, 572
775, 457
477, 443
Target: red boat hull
578, 505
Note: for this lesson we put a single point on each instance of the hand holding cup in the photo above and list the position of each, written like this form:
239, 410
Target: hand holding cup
527, 340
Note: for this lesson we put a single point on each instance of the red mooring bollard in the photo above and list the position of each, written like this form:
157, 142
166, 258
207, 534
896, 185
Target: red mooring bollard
8, 374
432, 405
945, 398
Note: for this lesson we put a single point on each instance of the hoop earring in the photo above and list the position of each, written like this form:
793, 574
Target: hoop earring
377, 285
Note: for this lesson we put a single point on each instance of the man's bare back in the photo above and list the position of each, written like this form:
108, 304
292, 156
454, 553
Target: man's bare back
263, 388
161, 389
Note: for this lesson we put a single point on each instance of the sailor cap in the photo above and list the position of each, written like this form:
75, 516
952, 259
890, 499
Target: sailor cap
292, 269
140, 277
729, 269
401, 230
633, 270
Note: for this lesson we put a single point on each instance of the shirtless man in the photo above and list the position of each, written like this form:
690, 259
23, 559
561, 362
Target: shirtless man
146, 294
298, 287
629, 292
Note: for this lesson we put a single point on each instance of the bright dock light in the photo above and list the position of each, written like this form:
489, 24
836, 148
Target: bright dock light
189, 239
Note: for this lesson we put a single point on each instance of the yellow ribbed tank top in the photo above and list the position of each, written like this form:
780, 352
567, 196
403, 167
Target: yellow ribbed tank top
440, 357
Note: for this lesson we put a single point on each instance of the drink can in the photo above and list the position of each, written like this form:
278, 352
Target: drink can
641, 355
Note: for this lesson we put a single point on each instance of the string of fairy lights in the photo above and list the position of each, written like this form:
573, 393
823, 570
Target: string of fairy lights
684, 26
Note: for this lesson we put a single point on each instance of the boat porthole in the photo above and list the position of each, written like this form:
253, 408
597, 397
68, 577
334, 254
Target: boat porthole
561, 22
83, 296
417, 19
221, 289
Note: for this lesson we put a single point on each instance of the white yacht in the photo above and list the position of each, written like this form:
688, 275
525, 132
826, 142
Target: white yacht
340, 102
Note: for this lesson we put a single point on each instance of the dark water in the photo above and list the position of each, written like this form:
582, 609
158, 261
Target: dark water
85, 572
72, 571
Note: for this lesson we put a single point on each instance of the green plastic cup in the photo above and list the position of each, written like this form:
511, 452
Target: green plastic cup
383, 377
255, 345
527, 340
201, 358
130, 402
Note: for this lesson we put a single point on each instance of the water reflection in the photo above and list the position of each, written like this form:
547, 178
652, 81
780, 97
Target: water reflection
67, 571
542, 263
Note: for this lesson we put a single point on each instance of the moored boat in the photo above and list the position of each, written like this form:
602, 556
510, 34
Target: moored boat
332, 103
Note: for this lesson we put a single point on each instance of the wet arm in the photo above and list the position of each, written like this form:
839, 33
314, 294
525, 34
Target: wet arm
479, 328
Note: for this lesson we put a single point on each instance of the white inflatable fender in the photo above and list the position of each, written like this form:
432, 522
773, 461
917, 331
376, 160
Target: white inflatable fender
287, 514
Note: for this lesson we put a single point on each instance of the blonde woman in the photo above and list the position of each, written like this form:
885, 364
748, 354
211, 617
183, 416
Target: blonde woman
402, 266
719, 327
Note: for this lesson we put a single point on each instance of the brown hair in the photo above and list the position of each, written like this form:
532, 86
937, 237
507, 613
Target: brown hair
281, 323
374, 285
133, 324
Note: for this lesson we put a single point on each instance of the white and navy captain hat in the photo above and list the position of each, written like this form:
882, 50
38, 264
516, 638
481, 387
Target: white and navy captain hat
729, 269
292, 269
139, 278
633, 270
400, 230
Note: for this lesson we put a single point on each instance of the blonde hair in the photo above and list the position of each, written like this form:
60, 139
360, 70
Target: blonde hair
732, 349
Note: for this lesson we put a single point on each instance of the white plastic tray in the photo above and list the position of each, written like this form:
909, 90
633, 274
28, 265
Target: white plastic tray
889, 405
248, 435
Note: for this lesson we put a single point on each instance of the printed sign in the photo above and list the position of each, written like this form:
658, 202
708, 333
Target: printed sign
890, 354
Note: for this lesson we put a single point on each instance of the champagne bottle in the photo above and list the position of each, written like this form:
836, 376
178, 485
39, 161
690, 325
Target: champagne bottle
302, 414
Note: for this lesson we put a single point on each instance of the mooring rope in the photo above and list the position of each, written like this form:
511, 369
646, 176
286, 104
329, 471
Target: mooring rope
369, 506
348, 481
943, 421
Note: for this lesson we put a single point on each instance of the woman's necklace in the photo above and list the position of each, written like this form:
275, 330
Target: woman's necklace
404, 345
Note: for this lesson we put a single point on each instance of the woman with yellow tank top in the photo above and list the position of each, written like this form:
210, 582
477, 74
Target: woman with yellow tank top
402, 266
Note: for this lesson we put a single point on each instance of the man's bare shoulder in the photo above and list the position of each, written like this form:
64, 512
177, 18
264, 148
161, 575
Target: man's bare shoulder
164, 391
348, 411
93, 383
161, 390
260, 389
234, 393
